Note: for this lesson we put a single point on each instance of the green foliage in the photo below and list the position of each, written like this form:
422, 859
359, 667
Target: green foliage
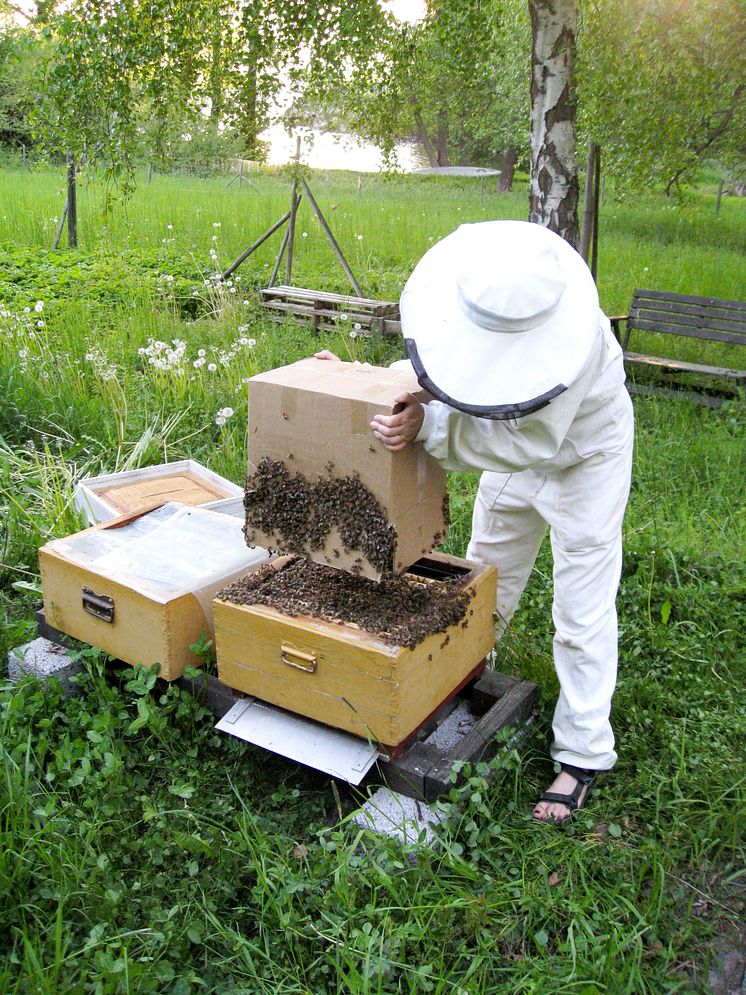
19, 53
141, 851
127, 78
662, 87
457, 82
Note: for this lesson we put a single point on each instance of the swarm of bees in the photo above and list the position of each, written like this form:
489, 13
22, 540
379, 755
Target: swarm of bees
399, 610
300, 514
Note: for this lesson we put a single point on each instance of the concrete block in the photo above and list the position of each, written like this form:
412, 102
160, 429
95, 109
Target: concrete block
390, 814
43, 659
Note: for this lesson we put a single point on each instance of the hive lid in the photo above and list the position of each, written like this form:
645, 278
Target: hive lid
311, 743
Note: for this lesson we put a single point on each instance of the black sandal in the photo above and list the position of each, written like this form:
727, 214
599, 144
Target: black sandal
585, 780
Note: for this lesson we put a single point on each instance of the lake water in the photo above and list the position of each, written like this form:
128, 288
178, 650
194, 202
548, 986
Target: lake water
336, 150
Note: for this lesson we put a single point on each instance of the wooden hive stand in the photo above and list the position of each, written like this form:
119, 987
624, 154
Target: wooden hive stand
496, 702
327, 311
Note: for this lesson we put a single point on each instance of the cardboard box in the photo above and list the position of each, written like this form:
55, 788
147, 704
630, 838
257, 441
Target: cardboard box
186, 481
347, 678
314, 417
140, 587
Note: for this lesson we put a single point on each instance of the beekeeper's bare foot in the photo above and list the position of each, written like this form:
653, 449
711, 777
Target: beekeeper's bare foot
567, 793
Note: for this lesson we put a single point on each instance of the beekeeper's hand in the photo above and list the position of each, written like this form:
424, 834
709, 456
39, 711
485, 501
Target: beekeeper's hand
326, 354
399, 429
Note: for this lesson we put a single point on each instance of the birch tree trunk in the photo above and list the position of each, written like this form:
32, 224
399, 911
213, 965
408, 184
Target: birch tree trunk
554, 189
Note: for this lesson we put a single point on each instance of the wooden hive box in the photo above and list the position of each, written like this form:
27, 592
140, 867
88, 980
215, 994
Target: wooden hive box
345, 677
141, 600
314, 417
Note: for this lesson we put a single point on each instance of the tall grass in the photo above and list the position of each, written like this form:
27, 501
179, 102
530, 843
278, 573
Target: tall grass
141, 852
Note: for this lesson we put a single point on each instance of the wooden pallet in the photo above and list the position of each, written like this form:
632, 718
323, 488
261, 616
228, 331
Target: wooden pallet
325, 310
423, 770
497, 702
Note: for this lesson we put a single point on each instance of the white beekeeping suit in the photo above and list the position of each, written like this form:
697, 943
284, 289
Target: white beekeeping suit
502, 325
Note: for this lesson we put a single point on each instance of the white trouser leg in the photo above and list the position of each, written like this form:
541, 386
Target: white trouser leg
585, 653
587, 508
584, 508
507, 532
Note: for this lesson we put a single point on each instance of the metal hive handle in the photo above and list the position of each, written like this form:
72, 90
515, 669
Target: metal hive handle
298, 659
99, 605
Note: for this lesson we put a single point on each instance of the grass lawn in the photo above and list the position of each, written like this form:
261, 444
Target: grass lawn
142, 852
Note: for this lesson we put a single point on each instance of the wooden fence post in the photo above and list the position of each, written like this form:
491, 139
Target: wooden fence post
720, 194
72, 205
293, 213
588, 203
596, 212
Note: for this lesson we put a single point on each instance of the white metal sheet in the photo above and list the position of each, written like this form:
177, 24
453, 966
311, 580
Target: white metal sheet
311, 743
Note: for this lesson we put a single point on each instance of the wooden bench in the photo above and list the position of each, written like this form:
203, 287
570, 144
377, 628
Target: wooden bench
703, 318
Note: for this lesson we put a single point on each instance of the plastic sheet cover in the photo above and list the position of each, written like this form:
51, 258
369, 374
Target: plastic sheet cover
172, 550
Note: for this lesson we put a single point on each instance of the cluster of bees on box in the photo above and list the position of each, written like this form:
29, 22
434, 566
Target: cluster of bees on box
302, 513
399, 609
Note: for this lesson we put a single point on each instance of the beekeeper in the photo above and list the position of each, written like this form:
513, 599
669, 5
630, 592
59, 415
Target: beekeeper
503, 327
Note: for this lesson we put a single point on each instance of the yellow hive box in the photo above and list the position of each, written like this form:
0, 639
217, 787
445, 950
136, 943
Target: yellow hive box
140, 587
349, 678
